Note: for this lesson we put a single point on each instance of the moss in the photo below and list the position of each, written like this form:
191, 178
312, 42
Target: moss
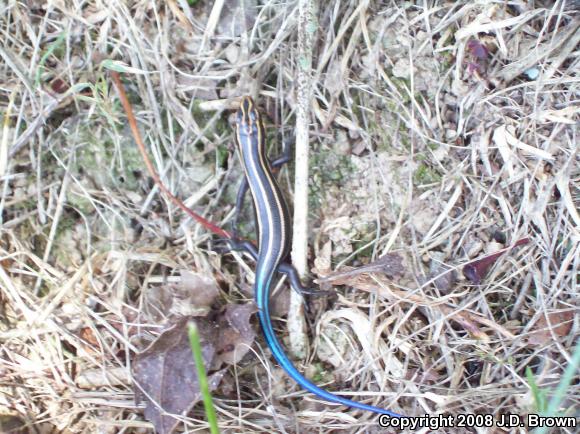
433, 146
64, 246
381, 131
384, 141
402, 84
219, 127
108, 164
222, 127
447, 60
222, 155
80, 203
24, 205
327, 169
331, 167
363, 248
426, 175
320, 374
405, 141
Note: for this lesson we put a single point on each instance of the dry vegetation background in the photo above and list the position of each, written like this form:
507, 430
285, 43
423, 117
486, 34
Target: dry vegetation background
441, 131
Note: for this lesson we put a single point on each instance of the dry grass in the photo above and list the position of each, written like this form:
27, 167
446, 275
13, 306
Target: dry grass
418, 146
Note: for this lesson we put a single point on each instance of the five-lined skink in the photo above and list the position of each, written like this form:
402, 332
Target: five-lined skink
274, 231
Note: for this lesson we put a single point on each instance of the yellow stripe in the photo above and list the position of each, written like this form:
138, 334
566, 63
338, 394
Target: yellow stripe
251, 123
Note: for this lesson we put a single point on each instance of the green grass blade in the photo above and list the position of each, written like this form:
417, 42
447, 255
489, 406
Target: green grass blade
537, 393
202, 377
53, 46
562, 388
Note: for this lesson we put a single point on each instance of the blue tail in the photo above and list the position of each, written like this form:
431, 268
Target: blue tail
280, 355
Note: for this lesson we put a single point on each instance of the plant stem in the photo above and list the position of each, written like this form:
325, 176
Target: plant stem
202, 378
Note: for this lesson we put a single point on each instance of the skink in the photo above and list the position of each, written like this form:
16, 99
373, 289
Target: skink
274, 239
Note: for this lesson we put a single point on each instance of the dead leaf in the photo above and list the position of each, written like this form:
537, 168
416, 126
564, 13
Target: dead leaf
444, 276
95, 378
203, 289
377, 284
524, 147
565, 115
203, 89
476, 270
165, 374
59, 86
477, 49
237, 17
556, 324
192, 296
390, 264
88, 335
507, 155
334, 79
236, 333
280, 301
14, 424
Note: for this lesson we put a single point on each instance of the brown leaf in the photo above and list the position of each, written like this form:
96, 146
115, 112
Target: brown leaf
193, 296
59, 86
238, 317
280, 302
236, 333
13, 424
202, 289
165, 374
559, 324
237, 17
88, 335
444, 277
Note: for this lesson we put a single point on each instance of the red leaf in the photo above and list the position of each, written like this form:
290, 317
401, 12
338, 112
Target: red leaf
59, 86
477, 49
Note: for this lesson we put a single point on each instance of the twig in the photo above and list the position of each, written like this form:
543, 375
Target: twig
296, 322
133, 124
